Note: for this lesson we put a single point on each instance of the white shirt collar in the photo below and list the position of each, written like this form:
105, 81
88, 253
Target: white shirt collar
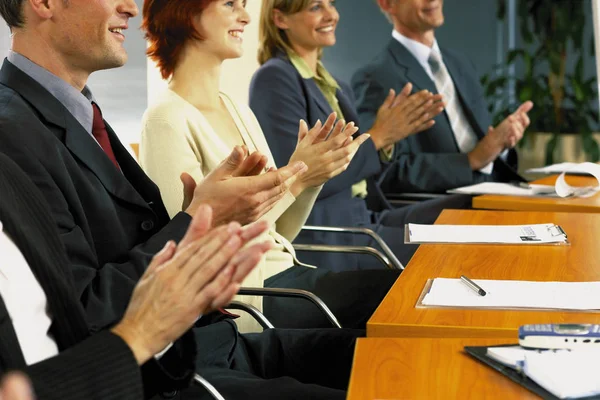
420, 51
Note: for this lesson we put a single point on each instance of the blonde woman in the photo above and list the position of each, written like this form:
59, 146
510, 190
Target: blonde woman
292, 83
194, 126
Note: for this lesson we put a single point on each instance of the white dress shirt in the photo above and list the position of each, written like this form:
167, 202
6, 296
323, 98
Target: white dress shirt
26, 303
422, 53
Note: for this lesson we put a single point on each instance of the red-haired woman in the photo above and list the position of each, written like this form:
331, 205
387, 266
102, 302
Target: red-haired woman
194, 126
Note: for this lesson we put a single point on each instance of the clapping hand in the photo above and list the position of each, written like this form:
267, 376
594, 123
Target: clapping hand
404, 114
201, 274
326, 149
505, 136
237, 191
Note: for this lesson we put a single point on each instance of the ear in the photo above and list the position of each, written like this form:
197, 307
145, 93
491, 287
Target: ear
280, 19
384, 5
43, 9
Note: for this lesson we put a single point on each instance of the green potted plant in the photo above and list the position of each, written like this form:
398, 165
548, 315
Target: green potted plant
553, 78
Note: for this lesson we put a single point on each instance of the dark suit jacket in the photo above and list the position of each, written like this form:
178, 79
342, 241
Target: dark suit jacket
111, 222
280, 98
429, 161
88, 367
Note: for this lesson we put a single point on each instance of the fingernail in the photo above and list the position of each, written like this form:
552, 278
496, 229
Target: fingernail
233, 227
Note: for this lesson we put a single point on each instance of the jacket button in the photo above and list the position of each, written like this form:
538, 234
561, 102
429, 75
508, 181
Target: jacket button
169, 395
147, 225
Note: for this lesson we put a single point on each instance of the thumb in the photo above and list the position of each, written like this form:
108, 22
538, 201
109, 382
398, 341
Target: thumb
189, 186
230, 164
302, 130
16, 386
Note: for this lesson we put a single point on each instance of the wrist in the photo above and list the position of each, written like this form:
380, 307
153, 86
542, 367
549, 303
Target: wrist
297, 188
134, 341
376, 138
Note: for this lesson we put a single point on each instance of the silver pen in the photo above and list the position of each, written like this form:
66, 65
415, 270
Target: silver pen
472, 285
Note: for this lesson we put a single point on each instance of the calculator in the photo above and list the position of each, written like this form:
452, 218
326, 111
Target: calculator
560, 336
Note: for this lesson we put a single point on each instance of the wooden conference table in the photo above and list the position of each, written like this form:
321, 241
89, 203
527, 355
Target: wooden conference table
398, 317
409, 368
516, 203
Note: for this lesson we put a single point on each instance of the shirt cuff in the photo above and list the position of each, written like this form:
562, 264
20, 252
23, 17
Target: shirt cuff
487, 169
161, 353
386, 155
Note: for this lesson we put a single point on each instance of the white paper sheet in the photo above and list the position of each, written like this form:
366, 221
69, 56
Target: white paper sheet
564, 373
506, 234
572, 168
506, 189
515, 294
563, 189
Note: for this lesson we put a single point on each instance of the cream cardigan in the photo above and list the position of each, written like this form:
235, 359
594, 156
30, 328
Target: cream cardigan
176, 138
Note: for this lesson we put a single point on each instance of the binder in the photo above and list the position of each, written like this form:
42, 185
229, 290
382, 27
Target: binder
480, 354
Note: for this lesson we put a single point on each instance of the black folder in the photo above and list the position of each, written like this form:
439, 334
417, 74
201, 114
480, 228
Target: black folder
480, 353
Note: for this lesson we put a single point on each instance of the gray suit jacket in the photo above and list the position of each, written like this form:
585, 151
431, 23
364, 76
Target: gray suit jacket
429, 161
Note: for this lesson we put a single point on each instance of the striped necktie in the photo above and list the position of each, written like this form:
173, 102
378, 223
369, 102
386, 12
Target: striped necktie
465, 137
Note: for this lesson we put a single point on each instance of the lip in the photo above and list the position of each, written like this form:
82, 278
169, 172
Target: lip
326, 29
428, 10
118, 35
240, 31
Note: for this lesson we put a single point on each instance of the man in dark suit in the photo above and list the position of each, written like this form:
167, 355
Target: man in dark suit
109, 214
55, 347
461, 148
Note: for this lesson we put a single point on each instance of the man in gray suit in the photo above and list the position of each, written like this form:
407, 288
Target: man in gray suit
462, 148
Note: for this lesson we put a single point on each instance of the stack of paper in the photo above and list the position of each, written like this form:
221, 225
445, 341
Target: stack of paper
507, 234
564, 373
514, 294
560, 188
568, 167
507, 189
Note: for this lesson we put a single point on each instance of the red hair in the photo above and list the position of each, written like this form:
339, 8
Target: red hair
169, 24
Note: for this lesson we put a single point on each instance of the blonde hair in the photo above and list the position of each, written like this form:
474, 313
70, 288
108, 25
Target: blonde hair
270, 37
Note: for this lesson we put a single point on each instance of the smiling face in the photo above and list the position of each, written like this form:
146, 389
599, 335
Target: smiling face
89, 34
312, 28
416, 16
221, 26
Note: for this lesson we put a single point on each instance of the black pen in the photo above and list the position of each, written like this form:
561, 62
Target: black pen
472, 285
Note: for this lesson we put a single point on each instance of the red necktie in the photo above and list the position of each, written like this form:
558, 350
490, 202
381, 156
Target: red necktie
101, 135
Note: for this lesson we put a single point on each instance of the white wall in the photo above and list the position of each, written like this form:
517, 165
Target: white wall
236, 75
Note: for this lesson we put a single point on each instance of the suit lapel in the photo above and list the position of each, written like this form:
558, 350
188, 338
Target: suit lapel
76, 138
414, 71
315, 93
347, 107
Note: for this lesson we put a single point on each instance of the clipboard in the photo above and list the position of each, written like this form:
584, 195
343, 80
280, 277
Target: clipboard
480, 354
527, 237
429, 282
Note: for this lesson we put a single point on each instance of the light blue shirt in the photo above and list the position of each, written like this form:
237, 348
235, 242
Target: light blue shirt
79, 104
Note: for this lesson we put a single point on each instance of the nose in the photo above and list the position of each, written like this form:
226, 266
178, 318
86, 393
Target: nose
128, 7
331, 13
244, 16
